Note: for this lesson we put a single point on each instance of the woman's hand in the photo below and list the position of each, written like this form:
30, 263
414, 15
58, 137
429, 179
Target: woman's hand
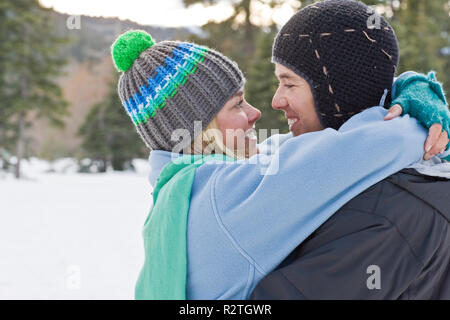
437, 139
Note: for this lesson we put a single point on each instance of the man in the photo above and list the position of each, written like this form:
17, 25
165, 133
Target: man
393, 240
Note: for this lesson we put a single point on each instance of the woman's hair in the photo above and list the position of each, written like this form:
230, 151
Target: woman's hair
210, 141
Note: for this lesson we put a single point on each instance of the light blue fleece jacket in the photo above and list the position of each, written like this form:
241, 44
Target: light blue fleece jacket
245, 217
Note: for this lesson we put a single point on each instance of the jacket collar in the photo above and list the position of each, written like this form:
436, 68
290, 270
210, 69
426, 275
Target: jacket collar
158, 160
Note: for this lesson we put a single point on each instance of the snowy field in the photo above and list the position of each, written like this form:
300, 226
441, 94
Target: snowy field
67, 235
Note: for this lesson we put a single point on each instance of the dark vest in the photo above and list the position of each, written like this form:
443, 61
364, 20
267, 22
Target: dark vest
390, 242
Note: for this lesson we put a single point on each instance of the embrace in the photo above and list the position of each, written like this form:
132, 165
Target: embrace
353, 203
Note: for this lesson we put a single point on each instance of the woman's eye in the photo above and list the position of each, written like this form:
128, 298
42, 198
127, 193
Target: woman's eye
239, 104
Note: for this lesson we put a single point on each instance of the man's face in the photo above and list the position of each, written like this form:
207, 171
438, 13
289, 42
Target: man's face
295, 98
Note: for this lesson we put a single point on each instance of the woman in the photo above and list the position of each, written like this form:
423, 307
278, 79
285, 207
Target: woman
216, 220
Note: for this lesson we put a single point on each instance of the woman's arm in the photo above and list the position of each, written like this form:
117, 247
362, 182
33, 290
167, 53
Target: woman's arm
267, 208
423, 98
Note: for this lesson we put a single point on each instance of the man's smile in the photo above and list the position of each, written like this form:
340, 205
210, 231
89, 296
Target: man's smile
292, 122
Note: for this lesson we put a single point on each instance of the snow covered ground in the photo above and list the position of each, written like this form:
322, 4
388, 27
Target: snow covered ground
67, 235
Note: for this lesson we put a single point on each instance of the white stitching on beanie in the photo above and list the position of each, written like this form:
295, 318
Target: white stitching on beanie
370, 39
325, 71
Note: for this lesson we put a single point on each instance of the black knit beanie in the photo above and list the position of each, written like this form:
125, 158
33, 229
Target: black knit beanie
346, 52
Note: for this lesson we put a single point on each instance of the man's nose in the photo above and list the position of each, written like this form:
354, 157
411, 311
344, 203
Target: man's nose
278, 102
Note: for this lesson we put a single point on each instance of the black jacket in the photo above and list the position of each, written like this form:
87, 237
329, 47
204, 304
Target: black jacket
390, 242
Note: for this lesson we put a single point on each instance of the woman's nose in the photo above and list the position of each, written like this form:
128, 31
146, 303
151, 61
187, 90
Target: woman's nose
253, 114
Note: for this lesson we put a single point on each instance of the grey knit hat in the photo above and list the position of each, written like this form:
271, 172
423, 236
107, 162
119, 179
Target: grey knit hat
169, 85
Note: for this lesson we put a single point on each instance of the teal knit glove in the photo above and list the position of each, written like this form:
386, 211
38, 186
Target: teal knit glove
423, 98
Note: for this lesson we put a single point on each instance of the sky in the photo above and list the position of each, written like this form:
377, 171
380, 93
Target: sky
169, 13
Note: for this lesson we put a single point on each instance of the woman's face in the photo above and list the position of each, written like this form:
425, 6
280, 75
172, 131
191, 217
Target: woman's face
236, 122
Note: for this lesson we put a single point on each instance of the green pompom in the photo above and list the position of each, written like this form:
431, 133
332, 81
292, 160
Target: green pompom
128, 47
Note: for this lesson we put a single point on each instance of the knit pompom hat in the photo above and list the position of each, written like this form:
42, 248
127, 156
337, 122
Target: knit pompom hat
170, 85
346, 52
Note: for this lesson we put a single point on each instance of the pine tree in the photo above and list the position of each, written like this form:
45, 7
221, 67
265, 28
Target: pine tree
236, 37
31, 64
109, 137
6, 128
419, 31
423, 29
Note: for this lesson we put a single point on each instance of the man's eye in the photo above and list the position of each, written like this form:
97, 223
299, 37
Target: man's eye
288, 86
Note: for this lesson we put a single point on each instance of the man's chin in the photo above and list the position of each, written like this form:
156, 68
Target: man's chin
297, 129
297, 132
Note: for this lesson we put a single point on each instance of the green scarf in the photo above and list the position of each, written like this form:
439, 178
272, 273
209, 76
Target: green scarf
163, 276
